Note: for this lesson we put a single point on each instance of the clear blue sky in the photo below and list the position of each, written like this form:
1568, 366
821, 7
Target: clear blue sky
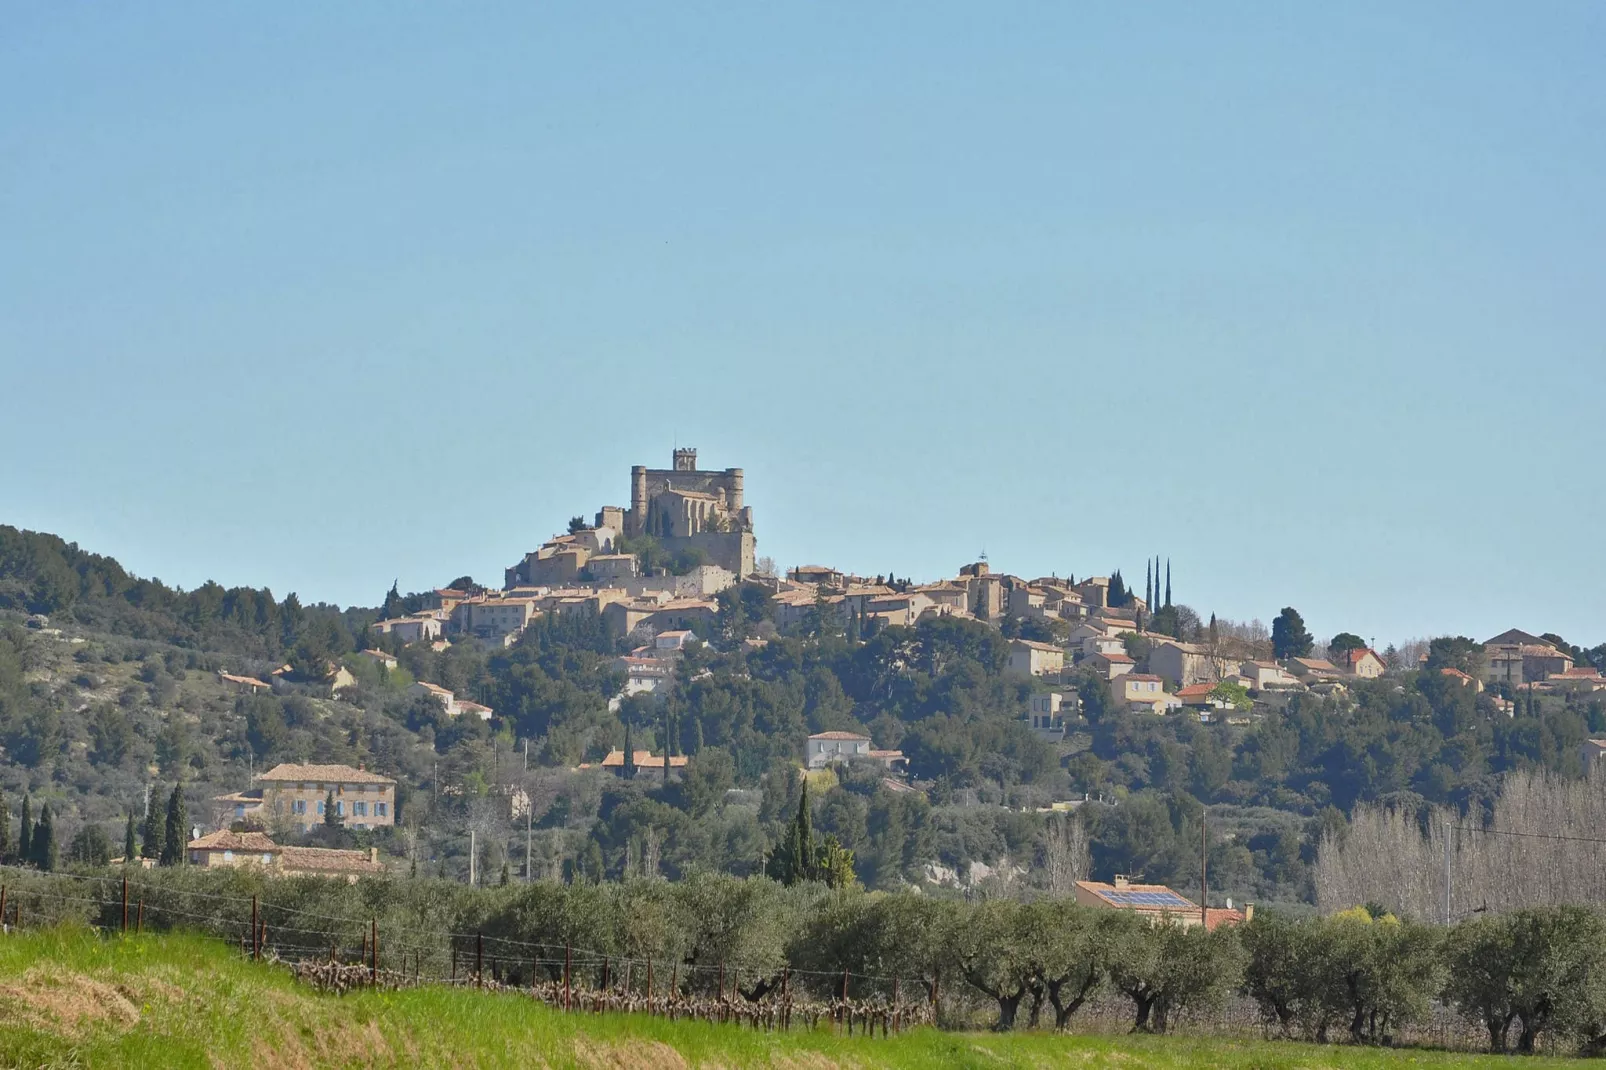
1307, 298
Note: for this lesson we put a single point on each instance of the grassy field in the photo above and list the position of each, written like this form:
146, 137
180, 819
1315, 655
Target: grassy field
70, 998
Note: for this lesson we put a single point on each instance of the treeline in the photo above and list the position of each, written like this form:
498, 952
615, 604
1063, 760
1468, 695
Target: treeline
41, 573
1523, 979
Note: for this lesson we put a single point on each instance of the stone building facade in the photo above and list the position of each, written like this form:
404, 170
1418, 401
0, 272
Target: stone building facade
687, 508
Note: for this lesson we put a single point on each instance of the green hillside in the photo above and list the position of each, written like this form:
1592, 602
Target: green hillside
70, 998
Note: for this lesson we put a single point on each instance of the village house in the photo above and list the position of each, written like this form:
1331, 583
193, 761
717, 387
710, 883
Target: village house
646, 762
828, 748
255, 849
1363, 663
1181, 664
245, 685
1203, 696
454, 706
1515, 657
379, 657
1583, 679
1144, 692
823, 748
290, 794
1046, 715
1310, 670
1263, 675
1465, 679
1158, 904
1110, 666
420, 627
1030, 658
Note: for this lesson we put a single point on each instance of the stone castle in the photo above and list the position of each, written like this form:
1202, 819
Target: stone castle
682, 508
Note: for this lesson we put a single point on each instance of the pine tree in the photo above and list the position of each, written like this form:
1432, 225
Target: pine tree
128, 840
175, 835
25, 833
331, 815
44, 840
5, 831
151, 834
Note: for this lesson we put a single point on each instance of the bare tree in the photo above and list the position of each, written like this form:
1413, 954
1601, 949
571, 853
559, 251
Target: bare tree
1535, 850
1065, 853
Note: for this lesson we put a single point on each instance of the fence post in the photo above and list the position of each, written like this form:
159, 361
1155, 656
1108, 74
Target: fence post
262, 939
139, 917
2, 906
373, 969
479, 960
125, 902
255, 947
568, 961
649, 984
454, 962
893, 1017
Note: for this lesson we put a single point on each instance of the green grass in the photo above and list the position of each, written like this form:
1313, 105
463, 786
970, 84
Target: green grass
71, 998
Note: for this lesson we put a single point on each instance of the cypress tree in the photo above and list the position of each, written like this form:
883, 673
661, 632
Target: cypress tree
5, 830
25, 833
44, 840
1168, 581
151, 834
1148, 584
331, 816
128, 840
630, 754
176, 836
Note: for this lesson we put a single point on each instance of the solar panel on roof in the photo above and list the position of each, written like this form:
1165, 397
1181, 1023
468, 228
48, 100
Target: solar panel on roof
1167, 900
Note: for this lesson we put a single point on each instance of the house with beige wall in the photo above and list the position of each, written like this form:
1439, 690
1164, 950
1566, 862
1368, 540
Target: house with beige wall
295, 795
1030, 658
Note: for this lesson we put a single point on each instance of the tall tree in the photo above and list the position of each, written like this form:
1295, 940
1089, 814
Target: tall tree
630, 754
25, 832
44, 840
5, 831
1148, 583
1289, 637
151, 835
128, 840
393, 603
331, 814
176, 835
793, 859
1168, 581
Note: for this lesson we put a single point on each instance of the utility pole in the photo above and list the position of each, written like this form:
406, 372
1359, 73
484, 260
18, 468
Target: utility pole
529, 836
1204, 856
526, 755
473, 858
1446, 873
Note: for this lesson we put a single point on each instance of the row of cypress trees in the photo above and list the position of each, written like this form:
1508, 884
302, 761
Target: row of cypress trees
37, 845
36, 841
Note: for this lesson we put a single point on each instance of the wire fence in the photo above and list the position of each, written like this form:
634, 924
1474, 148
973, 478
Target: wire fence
340, 953
346, 953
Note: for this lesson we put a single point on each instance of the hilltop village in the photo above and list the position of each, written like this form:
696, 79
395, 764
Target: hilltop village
645, 694
653, 574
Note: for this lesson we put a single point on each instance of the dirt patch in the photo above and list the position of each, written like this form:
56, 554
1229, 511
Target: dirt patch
637, 1055
60, 1001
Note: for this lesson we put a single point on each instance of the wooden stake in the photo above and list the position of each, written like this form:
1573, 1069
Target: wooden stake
125, 903
255, 947
139, 917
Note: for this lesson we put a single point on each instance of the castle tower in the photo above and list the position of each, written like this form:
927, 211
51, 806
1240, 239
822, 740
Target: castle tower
734, 494
636, 521
685, 459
